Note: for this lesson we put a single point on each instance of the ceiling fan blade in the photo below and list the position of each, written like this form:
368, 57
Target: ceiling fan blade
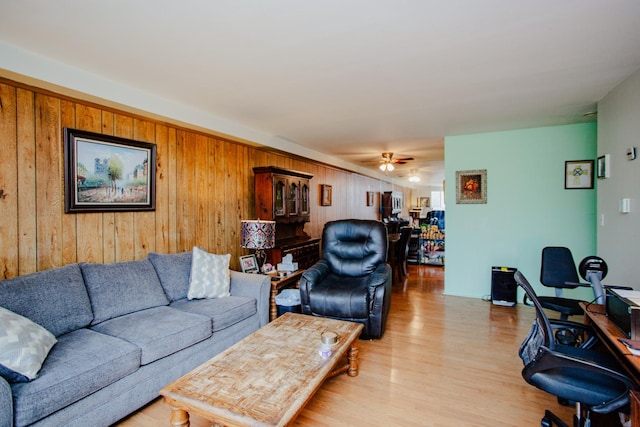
404, 159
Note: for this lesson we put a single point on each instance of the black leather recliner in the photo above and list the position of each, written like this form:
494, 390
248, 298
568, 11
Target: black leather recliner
352, 281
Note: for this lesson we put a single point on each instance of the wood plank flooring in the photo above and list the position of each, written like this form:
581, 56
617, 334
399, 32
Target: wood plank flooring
443, 361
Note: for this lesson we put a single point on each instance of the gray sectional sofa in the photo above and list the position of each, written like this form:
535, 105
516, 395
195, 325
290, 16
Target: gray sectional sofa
124, 331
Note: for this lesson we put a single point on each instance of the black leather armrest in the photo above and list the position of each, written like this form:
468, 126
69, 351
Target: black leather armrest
312, 275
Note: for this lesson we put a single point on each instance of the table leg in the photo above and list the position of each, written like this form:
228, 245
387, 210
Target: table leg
179, 417
352, 356
273, 311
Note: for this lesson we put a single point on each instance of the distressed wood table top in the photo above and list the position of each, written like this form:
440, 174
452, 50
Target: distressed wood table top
267, 378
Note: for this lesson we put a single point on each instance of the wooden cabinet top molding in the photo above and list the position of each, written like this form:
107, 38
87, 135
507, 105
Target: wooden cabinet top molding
275, 169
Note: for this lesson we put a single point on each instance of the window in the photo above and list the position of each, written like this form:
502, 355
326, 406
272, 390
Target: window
437, 200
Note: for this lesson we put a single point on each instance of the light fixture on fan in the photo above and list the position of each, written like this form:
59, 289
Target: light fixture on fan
387, 167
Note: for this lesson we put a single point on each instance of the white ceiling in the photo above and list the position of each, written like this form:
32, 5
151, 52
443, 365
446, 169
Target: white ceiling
348, 78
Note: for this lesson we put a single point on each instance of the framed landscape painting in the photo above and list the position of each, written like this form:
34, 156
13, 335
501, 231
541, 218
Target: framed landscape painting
105, 173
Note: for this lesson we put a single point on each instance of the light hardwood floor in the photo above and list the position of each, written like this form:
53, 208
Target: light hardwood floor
443, 361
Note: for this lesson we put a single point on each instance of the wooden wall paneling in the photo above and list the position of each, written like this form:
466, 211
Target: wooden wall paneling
201, 168
89, 225
199, 198
48, 182
9, 169
108, 218
172, 176
162, 189
185, 191
125, 225
210, 195
232, 202
144, 222
25, 193
69, 221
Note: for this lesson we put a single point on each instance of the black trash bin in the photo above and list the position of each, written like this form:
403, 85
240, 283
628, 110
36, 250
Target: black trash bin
288, 301
503, 286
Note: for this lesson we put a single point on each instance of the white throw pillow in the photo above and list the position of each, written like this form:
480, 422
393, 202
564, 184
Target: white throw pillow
24, 345
210, 277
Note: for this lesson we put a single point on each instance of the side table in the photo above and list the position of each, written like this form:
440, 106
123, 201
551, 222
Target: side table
288, 281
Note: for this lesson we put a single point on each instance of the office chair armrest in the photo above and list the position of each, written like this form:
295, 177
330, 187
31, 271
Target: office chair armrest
577, 284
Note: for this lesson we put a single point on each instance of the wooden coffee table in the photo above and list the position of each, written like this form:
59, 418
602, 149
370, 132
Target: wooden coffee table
268, 377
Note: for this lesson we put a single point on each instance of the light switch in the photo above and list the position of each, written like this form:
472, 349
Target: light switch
625, 205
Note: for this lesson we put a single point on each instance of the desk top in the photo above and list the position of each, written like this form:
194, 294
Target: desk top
609, 334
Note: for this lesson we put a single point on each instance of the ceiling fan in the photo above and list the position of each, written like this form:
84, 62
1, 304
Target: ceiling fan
388, 161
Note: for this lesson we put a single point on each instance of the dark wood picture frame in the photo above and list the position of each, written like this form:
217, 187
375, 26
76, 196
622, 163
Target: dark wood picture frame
578, 174
325, 195
370, 198
104, 173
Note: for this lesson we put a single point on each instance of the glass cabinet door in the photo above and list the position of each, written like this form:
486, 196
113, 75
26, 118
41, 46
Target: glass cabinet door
304, 198
293, 198
280, 188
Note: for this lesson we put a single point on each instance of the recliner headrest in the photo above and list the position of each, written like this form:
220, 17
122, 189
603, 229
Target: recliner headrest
354, 247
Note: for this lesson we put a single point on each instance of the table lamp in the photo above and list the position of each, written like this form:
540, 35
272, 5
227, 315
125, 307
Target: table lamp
258, 235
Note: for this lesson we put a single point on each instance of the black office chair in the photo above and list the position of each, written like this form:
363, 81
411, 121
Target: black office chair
591, 379
558, 270
352, 281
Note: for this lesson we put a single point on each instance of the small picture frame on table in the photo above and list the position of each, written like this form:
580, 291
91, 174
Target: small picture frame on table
249, 264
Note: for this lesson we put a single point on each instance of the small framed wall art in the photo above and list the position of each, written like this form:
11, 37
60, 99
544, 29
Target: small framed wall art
578, 174
604, 167
369, 198
471, 186
325, 195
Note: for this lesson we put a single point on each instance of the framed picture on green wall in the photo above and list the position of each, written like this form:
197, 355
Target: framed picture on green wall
578, 174
471, 186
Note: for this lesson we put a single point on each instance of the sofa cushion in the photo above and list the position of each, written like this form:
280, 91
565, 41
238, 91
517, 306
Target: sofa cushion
55, 299
158, 331
209, 275
223, 312
122, 288
24, 346
173, 271
82, 362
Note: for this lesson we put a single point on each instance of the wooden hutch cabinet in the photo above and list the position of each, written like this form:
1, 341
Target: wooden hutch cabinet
283, 196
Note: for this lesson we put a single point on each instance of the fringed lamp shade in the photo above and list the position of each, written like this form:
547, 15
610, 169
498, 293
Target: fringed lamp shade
256, 234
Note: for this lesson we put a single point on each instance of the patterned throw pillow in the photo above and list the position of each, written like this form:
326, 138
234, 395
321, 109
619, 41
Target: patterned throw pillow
210, 277
23, 347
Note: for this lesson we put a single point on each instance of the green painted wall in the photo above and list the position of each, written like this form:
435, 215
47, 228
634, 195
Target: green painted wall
527, 206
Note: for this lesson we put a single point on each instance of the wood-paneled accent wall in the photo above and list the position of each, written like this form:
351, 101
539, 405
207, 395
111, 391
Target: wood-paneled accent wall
204, 187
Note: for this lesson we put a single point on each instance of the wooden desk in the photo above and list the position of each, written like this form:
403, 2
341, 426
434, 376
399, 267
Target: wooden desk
609, 333
289, 281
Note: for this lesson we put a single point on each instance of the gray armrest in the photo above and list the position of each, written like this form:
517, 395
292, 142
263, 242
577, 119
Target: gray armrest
256, 286
6, 404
